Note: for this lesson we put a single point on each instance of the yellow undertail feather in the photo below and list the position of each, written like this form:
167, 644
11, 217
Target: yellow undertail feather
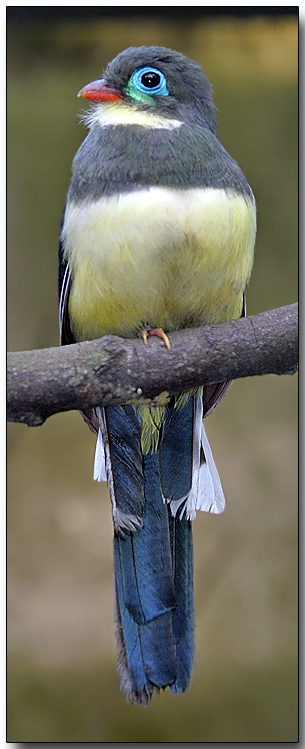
182, 398
152, 419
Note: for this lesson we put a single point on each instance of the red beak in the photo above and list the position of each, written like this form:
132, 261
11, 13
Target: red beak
100, 91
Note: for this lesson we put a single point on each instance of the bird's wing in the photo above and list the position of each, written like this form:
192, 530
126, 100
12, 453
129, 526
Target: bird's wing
66, 334
214, 393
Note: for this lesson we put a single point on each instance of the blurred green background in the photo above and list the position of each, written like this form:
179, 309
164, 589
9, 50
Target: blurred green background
62, 680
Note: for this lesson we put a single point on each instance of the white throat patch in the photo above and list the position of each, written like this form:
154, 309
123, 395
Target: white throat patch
123, 114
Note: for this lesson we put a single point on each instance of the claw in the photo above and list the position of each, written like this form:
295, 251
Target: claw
159, 332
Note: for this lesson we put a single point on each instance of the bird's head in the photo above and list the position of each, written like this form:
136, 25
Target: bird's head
157, 80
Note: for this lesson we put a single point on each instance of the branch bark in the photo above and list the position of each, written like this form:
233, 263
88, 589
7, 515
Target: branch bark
114, 370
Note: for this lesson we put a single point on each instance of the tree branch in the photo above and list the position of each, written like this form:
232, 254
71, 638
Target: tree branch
114, 370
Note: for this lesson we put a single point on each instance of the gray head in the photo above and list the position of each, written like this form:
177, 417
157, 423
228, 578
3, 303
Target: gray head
159, 79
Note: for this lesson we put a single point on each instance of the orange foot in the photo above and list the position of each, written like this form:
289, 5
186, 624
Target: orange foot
159, 332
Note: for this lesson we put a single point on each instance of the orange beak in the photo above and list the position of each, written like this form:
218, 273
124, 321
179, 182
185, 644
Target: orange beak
100, 91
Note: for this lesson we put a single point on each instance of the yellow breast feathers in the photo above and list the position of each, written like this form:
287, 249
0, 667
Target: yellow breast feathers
158, 256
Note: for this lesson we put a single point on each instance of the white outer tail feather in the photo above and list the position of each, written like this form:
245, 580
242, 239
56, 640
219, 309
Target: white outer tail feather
103, 472
206, 492
99, 471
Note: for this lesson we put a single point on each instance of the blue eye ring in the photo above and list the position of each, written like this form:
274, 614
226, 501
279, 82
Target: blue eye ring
160, 89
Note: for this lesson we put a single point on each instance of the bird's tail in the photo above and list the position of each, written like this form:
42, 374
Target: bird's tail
154, 497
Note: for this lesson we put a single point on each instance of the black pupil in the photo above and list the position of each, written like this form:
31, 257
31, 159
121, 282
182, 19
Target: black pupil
150, 80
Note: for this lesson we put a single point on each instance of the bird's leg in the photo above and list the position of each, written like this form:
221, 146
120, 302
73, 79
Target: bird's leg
159, 332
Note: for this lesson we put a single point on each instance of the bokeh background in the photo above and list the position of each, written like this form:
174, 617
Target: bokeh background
62, 679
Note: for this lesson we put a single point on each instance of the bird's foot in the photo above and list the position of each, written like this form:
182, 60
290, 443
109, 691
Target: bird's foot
159, 332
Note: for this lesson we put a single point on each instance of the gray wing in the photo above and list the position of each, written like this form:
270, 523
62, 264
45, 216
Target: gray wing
66, 334
214, 393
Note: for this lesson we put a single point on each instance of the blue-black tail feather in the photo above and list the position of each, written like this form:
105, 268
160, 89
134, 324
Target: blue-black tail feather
183, 619
176, 451
124, 440
153, 564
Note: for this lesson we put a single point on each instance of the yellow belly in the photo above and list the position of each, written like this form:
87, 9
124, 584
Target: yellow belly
158, 257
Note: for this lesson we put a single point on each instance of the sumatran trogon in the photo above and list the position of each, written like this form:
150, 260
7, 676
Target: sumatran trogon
158, 234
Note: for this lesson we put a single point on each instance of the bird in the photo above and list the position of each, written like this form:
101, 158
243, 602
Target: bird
157, 235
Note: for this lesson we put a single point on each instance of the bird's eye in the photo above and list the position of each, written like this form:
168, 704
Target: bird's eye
149, 81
